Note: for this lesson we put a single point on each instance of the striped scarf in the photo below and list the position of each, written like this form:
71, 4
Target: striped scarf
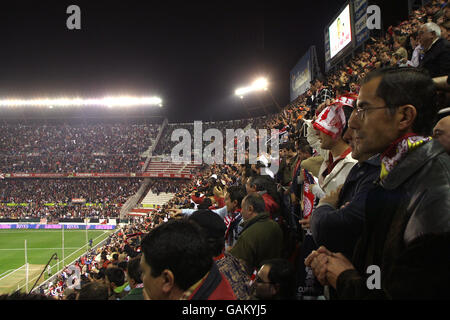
398, 150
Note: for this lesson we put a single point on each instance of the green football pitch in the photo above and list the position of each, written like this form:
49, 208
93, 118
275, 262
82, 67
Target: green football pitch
41, 245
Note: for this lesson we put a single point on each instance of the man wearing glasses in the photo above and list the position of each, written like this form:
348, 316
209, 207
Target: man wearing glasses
403, 250
275, 280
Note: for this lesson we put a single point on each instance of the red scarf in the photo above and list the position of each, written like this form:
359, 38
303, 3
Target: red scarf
332, 164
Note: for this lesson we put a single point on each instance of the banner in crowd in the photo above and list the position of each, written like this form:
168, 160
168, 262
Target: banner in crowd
308, 288
100, 175
362, 33
78, 200
57, 226
301, 76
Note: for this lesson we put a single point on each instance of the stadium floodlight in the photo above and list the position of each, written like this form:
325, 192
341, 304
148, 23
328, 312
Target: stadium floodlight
121, 101
257, 85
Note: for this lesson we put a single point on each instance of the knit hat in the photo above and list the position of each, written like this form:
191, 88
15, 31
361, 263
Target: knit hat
211, 222
333, 119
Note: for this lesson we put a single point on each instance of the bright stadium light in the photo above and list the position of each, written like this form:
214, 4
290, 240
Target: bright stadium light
257, 85
121, 101
260, 84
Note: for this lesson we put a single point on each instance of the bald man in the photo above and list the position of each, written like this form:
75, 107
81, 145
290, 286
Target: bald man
441, 132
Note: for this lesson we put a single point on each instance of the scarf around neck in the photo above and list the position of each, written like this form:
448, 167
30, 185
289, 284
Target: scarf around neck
398, 150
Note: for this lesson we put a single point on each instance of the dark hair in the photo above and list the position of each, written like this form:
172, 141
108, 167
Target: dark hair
213, 228
100, 274
256, 201
290, 146
94, 291
115, 256
237, 193
282, 273
259, 182
24, 296
206, 203
134, 269
123, 265
305, 148
115, 275
264, 183
414, 86
178, 245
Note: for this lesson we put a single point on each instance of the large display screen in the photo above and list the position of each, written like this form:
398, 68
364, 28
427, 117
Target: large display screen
340, 32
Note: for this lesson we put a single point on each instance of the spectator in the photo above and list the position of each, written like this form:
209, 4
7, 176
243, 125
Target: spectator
403, 237
275, 281
93, 291
260, 185
177, 264
338, 219
325, 136
214, 229
261, 238
134, 276
417, 48
115, 280
436, 58
441, 132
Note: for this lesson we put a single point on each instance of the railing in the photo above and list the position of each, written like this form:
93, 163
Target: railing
55, 276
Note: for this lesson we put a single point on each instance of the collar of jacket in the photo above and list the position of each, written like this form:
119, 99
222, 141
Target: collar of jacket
411, 164
252, 221
374, 160
431, 46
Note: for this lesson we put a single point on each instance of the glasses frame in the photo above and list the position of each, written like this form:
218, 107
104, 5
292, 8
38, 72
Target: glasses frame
360, 112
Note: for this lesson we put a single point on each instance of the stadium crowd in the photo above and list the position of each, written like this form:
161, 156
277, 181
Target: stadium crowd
69, 197
83, 148
166, 145
358, 188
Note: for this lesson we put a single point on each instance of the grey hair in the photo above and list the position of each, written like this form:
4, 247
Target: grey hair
433, 27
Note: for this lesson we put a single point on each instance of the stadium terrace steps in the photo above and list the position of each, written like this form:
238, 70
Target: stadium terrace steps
158, 200
169, 167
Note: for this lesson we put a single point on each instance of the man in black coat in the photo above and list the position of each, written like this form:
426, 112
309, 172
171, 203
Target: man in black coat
338, 220
403, 250
436, 58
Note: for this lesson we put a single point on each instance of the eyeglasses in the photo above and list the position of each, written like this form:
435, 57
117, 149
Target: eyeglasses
360, 112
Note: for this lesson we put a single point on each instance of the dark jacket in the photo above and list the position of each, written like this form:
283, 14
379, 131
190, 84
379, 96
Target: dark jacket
260, 239
437, 59
406, 232
339, 229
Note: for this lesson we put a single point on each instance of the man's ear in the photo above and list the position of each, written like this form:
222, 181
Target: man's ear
168, 281
407, 116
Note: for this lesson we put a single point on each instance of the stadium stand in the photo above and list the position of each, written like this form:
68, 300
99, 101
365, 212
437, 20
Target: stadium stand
298, 168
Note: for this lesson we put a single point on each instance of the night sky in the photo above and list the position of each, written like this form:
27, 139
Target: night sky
192, 54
